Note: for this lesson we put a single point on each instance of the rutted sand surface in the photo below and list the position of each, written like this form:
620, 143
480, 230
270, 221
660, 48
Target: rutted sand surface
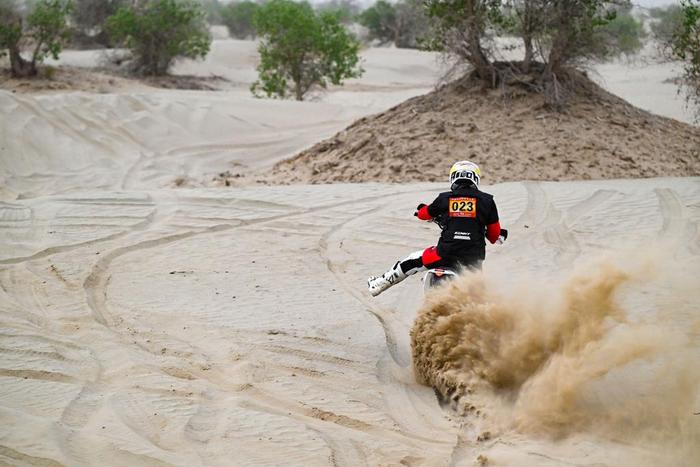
61, 143
208, 327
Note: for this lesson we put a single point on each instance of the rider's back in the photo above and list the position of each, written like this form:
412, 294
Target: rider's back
464, 213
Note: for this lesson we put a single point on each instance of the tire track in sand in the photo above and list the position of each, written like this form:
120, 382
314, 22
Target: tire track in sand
95, 286
406, 407
387, 325
551, 228
318, 417
677, 227
148, 220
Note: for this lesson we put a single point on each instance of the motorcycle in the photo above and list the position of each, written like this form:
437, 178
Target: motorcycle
437, 276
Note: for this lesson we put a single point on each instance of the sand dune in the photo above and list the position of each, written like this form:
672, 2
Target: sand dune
149, 140
135, 137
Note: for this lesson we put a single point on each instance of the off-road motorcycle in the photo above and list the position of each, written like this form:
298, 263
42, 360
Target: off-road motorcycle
438, 276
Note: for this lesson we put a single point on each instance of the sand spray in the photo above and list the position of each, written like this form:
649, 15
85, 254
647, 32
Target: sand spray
587, 353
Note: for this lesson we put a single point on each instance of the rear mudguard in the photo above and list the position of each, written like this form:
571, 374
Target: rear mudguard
437, 276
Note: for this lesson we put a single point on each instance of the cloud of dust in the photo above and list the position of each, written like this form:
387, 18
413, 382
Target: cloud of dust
570, 355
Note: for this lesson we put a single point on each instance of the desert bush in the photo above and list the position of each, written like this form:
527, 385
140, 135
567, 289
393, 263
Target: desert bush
403, 23
214, 11
685, 46
158, 32
380, 20
524, 19
623, 34
347, 11
43, 31
667, 21
301, 49
574, 26
460, 29
238, 18
556, 35
10, 26
89, 17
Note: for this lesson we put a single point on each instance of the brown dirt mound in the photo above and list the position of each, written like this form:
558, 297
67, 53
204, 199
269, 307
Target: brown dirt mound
510, 132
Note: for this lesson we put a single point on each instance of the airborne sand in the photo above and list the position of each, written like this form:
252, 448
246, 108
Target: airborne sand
144, 324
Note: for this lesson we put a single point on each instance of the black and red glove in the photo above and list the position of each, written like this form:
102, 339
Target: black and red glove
420, 206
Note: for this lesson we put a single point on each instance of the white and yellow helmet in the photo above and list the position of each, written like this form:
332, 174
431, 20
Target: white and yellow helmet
465, 170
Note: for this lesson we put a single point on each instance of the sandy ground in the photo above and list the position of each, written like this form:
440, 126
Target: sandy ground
210, 327
149, 139
149, 324
654, 81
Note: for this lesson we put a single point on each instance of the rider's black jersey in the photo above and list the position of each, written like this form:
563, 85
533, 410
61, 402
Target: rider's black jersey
463, 214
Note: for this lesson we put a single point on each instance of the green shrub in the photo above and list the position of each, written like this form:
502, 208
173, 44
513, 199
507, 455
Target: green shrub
668, 21
623, 34
213, 9
380, 20
301, 49
238, 18
685, 46
160, 31
556, 34
10, 26
44, 32
89, 18
346, 10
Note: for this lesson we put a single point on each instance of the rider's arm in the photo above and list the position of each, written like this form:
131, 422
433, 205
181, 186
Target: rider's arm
493, 226
435, 209
438, 207
493, 231
423, 213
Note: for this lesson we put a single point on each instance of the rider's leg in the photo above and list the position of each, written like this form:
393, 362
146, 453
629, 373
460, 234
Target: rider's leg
413, 263
401, 270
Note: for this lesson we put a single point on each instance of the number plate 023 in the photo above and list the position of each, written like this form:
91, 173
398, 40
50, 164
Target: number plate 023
462, 207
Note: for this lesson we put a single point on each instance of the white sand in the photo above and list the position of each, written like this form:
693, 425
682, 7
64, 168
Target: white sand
143, 324
648, 86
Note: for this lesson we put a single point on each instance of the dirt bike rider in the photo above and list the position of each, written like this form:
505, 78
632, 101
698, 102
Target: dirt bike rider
466, 216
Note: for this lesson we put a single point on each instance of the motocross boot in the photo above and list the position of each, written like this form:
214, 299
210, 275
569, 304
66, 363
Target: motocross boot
379, 284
